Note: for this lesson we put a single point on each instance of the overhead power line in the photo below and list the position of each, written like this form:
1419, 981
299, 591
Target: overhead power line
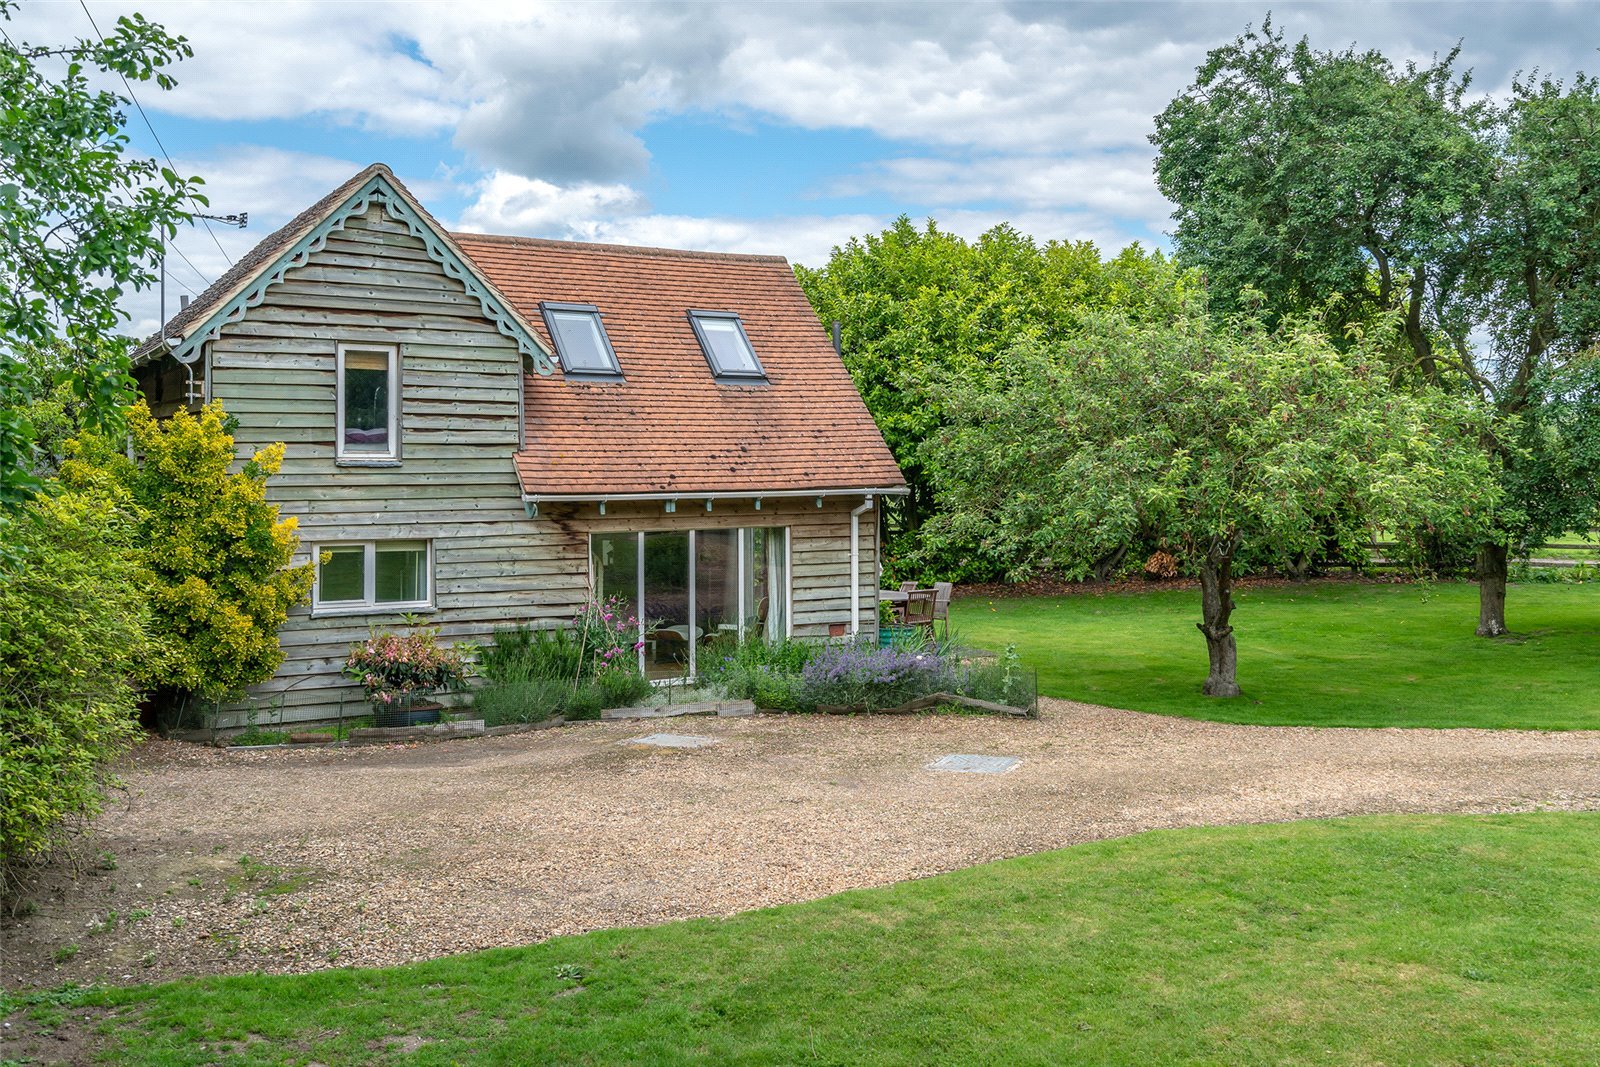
164, 153
172, 276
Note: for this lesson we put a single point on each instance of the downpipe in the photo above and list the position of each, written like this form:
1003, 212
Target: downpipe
855, 564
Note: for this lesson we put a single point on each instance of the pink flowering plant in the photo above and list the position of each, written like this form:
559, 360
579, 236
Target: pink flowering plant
609, 635
397, 668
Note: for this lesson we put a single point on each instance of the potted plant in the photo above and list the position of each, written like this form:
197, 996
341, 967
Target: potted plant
400, 672
891, 631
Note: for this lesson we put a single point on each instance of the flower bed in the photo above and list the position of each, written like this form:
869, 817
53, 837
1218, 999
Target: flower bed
531, 675
578, 671
855, 676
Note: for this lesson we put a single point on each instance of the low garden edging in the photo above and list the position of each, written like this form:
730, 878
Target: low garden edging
928, 703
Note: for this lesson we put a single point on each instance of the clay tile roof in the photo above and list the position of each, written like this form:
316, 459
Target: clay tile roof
670, 426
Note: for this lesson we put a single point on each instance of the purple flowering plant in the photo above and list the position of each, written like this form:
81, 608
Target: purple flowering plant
798, 675
857, 675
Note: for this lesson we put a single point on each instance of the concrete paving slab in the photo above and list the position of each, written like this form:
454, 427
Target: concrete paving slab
672, 741
966, 764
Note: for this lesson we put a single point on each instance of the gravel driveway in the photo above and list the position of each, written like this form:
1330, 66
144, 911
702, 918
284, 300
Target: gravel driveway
298, 860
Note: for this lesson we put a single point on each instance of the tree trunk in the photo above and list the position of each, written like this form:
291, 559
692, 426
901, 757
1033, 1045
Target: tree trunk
1216, 606
1301, 565
1107, 565
1416, 332
1492, 590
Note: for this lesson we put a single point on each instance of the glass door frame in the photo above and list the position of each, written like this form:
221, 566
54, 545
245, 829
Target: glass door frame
741, 554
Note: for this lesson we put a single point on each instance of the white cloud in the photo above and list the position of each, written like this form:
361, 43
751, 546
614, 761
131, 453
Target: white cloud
617, 214
1111, 185
273, 185
1033, 113
511, 204
282, 60
810, 239
801, 238
560, 91
977, 78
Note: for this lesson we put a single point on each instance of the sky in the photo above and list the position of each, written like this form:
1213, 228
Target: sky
779, 128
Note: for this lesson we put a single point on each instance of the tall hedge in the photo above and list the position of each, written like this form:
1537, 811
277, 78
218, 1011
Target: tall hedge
73, 636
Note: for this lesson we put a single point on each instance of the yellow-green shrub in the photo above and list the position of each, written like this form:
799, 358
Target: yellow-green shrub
217, 553
73, 616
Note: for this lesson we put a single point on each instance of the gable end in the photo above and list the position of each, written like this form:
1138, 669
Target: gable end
376, 191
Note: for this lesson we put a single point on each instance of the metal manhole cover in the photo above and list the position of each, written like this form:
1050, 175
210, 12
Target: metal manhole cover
671, 741
963, 764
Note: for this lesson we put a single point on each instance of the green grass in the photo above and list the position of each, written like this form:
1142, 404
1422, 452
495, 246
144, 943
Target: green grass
1416, 940
1317, 654
1589, 539
1587, 555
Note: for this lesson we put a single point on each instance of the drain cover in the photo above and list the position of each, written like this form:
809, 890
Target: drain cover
974, 764
672, 741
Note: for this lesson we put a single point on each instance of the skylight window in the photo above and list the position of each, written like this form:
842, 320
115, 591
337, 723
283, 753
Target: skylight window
581, 340
725, 344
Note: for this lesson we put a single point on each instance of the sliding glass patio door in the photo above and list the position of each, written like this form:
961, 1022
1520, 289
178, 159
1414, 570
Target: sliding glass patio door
688, 587
614, 570
716, 582
665, 589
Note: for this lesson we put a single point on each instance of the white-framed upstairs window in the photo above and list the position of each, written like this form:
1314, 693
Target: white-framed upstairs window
357, 577
368, 403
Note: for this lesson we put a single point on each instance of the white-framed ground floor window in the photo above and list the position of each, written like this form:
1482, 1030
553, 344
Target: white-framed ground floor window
354, 577
689, 587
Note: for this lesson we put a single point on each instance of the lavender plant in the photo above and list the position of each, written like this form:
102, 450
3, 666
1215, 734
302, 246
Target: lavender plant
854, 675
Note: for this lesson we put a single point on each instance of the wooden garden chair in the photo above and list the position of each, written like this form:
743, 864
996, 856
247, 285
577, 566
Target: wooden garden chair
942, 592
906, 589
919, 608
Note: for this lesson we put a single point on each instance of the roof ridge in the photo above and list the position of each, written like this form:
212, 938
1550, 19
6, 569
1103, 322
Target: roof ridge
249, 268
256, 258
634, 250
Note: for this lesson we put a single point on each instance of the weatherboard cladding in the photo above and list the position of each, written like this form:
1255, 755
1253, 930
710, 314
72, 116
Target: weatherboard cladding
670, 426
275, 372
245, 284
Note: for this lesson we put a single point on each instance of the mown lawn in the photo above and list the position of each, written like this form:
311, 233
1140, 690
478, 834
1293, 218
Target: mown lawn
1317, 654
1417, 940
1589, 552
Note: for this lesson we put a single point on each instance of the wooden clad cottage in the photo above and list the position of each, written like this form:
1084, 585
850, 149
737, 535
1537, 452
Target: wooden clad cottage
490, 431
